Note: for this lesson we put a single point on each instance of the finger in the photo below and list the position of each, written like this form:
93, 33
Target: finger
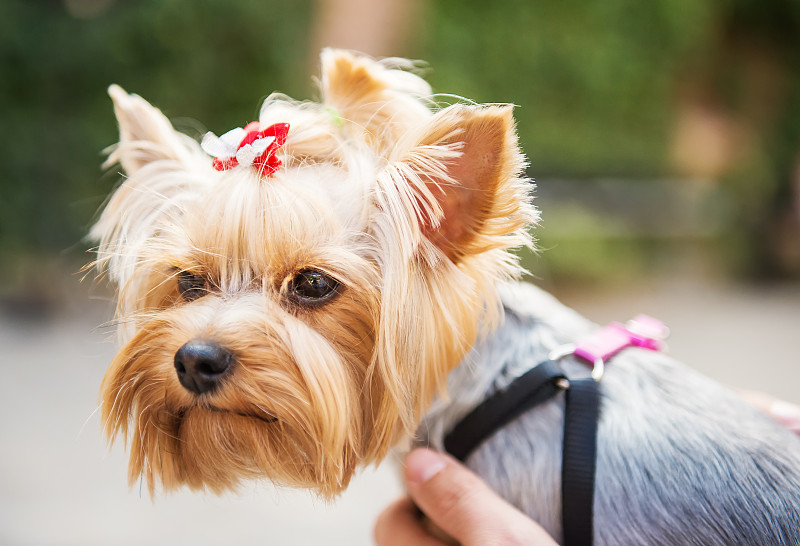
400, 525
463, 506
783, 412
786, 414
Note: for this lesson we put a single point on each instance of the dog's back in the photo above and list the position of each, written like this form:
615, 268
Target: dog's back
681, 460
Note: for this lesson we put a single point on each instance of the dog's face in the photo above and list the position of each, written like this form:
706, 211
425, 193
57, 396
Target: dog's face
295, 324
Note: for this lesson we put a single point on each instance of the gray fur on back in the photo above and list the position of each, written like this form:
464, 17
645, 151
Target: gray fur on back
681, 460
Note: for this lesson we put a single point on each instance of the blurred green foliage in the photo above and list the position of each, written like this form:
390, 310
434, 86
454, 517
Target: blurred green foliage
597, 83
204, 59
593, 80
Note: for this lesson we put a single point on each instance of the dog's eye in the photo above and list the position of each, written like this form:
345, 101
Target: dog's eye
312, 286
191, 285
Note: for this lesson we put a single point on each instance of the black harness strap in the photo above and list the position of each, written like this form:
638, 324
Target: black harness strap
530, 389
578, 459
582, 407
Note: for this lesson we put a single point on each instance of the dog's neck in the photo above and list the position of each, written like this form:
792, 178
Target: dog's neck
502, 356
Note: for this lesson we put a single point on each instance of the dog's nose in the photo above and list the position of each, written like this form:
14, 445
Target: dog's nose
201, 365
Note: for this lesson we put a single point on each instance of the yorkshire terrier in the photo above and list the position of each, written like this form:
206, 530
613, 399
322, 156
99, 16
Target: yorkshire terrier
295, 297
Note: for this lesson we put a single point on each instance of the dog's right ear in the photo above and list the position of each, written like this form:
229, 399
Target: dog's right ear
164, 170
145, 134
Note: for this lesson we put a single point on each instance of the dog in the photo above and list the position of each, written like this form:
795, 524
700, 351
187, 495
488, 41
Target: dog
300, 295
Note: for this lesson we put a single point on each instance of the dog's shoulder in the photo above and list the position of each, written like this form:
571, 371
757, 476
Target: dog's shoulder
680, 456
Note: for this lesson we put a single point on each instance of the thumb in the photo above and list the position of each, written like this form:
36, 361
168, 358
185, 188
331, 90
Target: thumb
463, 506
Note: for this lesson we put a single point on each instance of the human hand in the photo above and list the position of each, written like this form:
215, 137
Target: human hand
785, 413
463, 506
458, 502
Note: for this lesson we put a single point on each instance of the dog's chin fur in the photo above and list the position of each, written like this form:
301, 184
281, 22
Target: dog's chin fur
411, 208
276, 415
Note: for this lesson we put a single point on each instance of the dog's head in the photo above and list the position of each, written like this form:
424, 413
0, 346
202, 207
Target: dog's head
289, 308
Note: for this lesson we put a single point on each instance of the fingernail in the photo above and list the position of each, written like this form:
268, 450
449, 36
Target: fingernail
423, 464
786, 413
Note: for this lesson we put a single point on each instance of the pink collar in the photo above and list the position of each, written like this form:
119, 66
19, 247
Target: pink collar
642, 331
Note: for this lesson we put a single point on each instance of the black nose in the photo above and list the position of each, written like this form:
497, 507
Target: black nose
201, 365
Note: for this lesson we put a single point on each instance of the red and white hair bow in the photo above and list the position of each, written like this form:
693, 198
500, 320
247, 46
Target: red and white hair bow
248, 146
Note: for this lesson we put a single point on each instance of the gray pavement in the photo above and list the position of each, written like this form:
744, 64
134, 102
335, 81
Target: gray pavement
60, 485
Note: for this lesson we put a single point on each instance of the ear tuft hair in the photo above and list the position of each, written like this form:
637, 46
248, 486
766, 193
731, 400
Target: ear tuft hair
162, 173
381, 99
145, 134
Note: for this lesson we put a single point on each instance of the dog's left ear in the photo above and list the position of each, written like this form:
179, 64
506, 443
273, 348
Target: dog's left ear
472, 198
454, 195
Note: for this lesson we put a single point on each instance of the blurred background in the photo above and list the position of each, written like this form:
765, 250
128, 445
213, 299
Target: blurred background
664, 138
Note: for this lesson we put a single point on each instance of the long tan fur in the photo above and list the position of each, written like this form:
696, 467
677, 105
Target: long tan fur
411, 209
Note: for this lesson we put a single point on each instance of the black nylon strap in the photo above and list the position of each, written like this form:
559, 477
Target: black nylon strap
533, 387
579, 455
581, 415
